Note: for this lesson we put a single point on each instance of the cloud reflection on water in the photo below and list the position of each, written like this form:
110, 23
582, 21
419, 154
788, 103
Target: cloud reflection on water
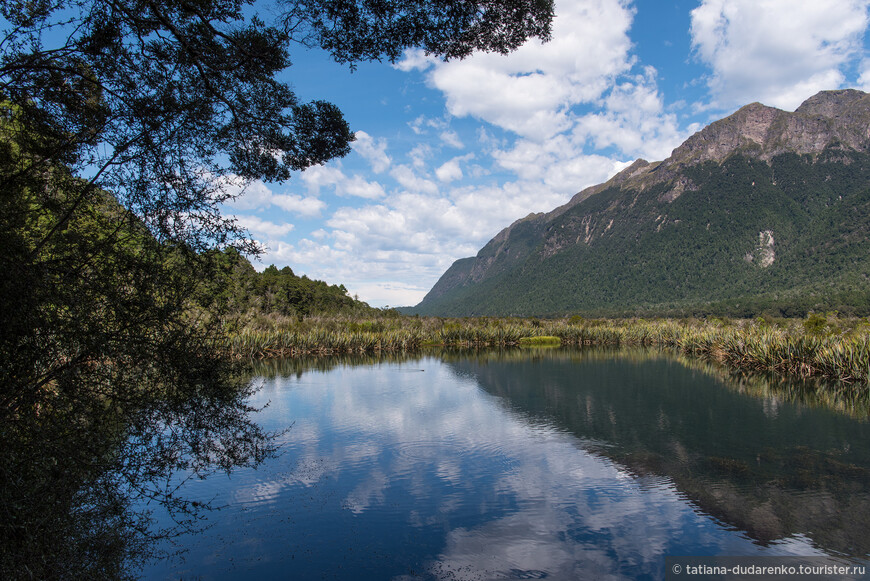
516, 497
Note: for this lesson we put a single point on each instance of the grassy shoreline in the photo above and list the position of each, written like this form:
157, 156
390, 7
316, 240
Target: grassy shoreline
819, 346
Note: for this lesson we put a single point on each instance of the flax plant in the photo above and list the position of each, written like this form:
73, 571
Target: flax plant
837, 350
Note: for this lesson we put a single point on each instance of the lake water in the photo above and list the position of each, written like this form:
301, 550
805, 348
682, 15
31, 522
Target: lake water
558, 464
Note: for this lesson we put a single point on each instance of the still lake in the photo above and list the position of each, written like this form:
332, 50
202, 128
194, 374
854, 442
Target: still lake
552, 463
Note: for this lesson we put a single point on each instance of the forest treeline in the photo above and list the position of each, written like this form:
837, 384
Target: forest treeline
244, 295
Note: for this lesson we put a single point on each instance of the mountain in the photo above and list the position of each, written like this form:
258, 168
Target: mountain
765, 211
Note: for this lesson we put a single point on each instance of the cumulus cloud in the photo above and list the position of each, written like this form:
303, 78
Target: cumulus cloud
864, 78
309, 206
256, 195
318, 177
373, 150
245, 195
412, 182
382, 273
778, 52
391, 293
264, 227
448, 136
451, 138
634, 120
307, 252
557, 166
530, 90
451, 170
420, 155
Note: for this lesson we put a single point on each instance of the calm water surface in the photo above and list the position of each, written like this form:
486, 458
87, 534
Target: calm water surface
531, 464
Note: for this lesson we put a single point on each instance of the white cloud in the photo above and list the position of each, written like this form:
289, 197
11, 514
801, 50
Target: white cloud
864, 79
243, 194
779, 52
390, 293
487, 210
420, 154
451, 138
327, 176
634, 121
416, 59
259, 226
411, 236
256, 195
357, 186
309, 206
378, 221
448, 136
530, 90
373, 150
411, 181
418, 125
557, 166
307, 252
451, 170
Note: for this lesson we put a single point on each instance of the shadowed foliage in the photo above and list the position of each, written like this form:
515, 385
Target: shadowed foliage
121, 125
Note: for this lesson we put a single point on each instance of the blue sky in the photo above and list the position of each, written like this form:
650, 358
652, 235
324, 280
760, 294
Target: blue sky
448, 154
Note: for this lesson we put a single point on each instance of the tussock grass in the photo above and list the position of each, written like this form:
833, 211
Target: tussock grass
835, 349
541, 341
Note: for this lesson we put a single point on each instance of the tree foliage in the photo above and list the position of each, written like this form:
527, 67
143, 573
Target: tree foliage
240, 291
121, 124
375, 29
99, 361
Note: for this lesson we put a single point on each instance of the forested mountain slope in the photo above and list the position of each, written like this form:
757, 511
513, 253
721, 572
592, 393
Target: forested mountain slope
763, 211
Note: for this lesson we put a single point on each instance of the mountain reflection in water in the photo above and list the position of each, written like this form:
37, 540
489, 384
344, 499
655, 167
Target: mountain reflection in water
563, 464
768, 466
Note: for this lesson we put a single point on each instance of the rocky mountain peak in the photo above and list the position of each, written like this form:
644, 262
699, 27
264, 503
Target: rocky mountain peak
764, 132
748, 129
832, 104
839, 117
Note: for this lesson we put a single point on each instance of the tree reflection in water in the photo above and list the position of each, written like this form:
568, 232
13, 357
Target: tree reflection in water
82, 475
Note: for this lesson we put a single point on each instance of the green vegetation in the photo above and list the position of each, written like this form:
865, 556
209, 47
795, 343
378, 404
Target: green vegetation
121, 123
101, 352
540, 341
254, 300
787, 347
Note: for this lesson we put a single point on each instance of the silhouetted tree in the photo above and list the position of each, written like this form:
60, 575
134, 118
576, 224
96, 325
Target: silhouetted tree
121, 124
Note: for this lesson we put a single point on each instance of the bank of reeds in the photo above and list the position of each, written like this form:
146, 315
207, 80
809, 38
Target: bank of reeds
816, 347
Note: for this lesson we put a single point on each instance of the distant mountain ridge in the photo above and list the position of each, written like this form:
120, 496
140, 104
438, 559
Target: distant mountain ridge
762, 211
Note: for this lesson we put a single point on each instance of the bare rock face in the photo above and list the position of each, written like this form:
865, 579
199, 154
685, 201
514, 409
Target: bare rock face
747, 129
764, 254
833, 104
830, 117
